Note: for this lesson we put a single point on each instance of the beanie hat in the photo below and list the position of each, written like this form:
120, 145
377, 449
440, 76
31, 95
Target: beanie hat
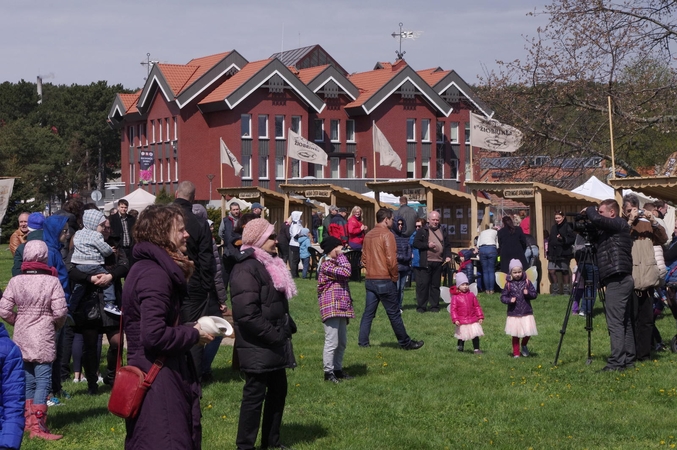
330, 243
461, 278
35, 221
256, 205
514, 263
256, 232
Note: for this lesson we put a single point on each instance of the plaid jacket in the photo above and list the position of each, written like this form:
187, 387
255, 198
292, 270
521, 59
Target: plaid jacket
333, 293
89, 247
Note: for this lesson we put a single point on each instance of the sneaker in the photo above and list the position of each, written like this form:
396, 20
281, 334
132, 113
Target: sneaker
413, 345
478, 351
99, 380
330, 376
525, 351
53, 401
65, 395
515, 356
341, 375
581, 313
459, 348
78, 380
112, 308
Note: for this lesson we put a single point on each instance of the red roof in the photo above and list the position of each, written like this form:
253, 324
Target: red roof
230, 85
309, 74
129, 101
177, 76
370, 82
433, 76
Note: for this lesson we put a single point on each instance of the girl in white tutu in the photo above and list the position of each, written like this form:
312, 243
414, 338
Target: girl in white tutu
517, 294
466, 314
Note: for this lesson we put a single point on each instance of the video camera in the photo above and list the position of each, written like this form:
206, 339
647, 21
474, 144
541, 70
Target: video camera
583, 226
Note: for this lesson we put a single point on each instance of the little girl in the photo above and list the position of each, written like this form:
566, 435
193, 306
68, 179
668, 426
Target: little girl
41, 310
466, 314
336, 307
517, 294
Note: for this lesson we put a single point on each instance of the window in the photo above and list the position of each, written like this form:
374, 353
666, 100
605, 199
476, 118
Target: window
142, 134
453, 133
319, 130
334, 168
263, 126
176, 129
295, 168
319, 171
439, 162
411, 167
440, 132
246, 126
159, 163
247, 166
411, 130
159, 125
130, 135
176, 170
263, 167
152, 132
169, 175
296, 124
350, 167
279, 168
425, 168
467, 132
425, 130
350, 130
334, 130
131, 174
364, 167
453, 170
279, 127
167, 136
154, 173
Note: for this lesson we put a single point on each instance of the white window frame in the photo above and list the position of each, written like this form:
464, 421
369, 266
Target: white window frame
176, 128
350, 167
296, 167
258, 126
319, 169
154, 172
411, 124
334, 168
315, 137
160, 127
247, 167
300, 121
439, 163
425, 130
411, 164
439, 125
425, 167
280, 168
350, 125
246, 118
467, 133
130, 135
131, 174
176, 170
169, 174
279, 116
162, 170
456, 164
168, 137
364, 168
264, 164
152, 133
453, 132
335, 132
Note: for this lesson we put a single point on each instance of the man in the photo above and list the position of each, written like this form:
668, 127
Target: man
434, 250
34, 223
525, 223
408, 214
379, 258
19, 236
228, 224
338, 226
121, 226
198, 250
257, 209
614, 259
333, 211
295, 227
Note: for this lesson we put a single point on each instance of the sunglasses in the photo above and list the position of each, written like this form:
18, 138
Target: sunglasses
272, 237
418, 226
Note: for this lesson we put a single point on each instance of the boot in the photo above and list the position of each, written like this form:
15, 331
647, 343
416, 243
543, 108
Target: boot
567, 289
574, 308
39, 424
554, 289
27, 415
560, 283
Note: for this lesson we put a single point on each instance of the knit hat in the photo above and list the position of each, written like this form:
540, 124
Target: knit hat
461, 278
256, 232
514, 263
35, 221
330, 243
256, 205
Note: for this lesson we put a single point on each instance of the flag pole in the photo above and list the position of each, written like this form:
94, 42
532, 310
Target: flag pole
373, 133
611, 136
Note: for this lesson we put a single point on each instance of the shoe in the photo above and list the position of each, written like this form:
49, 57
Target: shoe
80, 380
364, 345
515, 356
575, 312
53, 401
93, 390
413, 345
459, 348
478, 351
420, 311
525, 351
28, 417
660, 347
581, 313
612, 369
341, 375
434, 310
112, 309
99, 380
39, 424
330, 376
64, 394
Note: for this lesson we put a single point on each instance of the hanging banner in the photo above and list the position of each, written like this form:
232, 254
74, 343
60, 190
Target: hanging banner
6, 188
491, 134
146, 161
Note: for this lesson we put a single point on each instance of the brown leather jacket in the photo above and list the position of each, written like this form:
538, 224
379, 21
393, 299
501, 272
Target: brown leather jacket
379, 254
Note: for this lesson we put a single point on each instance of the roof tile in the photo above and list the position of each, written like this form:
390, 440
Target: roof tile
230, 85
369, 83
309, 74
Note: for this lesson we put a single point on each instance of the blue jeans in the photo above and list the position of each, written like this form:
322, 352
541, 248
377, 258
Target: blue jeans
531, 255
488, 254
38, 381
384, 291
305, 262
588, 293
401, 281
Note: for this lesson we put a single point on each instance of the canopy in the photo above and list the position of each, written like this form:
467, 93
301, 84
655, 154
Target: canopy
138, 200
595, 188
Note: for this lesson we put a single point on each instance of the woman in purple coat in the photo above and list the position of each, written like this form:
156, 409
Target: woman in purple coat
169, 417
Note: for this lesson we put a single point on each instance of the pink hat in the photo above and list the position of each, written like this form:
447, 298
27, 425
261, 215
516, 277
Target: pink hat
256, 232
461, 278
514, 263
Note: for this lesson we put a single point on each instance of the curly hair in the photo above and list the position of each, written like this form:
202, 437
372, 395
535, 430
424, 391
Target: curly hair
155, 225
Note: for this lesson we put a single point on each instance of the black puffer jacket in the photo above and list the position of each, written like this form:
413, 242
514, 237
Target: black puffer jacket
263, 327
561, 249
614, 245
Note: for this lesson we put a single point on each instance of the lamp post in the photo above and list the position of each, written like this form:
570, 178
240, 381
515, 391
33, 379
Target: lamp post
211, 177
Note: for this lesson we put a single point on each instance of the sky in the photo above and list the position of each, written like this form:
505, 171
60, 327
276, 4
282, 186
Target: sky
80, 42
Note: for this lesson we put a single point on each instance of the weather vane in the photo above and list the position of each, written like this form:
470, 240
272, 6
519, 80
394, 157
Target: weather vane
148, 63
404, 35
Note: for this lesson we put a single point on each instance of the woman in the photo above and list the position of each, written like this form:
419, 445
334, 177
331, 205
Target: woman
356, 229
511, 244
169, 417
560, 253
261, 287
403, 256
488, 249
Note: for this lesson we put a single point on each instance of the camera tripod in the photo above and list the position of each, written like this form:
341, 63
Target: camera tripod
588, 259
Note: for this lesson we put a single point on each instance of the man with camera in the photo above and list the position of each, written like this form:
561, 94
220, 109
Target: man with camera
614, 259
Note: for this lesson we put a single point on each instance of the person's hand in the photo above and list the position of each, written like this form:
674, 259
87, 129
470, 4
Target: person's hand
205, 338
481, 321
648, 215
633, 215
101, 279
513, 300
431, 245
458, 322
447, 259
223, 307
526, 292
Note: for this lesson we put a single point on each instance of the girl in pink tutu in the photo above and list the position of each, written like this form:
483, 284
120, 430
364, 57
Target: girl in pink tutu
466, 314
517, 294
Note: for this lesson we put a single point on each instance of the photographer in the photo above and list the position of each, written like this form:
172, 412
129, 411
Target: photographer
614, 258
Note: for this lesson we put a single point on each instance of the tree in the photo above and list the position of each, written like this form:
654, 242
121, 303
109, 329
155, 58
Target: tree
590, 51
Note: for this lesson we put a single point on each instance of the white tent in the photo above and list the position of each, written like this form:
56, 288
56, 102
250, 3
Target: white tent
384, 197
138, 200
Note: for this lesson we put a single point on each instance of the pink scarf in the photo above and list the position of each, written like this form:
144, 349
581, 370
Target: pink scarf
277, 270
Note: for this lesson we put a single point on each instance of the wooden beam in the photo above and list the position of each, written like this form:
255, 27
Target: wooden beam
538, 206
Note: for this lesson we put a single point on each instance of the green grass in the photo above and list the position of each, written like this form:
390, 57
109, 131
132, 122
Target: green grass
435, 397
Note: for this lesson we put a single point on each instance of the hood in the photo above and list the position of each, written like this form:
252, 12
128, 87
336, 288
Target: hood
35, 251
296, 216
304, 231
92, 218
52, 231
396, 228
147, 250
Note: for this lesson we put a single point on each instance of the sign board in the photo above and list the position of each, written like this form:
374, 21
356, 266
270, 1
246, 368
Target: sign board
251, 194
518, 193
317, 193
415, 194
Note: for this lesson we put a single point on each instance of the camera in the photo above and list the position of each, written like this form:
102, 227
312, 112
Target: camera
583, 226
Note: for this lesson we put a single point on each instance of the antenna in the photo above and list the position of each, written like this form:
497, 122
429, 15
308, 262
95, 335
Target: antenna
149, 64
404, 35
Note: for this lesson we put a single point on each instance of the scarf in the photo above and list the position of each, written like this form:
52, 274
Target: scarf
37, 265
186, 265
277, 269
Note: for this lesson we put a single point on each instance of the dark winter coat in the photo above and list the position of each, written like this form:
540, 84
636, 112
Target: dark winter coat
403, 249
421, 243
262, 323
511, 246
12, 392
170, 415
410, 216
614, 244
522, 305
561, 249
19, 254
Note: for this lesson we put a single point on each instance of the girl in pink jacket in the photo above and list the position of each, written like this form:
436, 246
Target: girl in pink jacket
466, 314
40, 310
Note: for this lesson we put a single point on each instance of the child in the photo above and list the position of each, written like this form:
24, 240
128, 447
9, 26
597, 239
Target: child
304, 253
466, 314
12, 392
41, 304
88, 257
336, 307
517, 294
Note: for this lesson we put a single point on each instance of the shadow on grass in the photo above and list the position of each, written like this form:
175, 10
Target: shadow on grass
306, 433
356, 370
226, 375
64, 418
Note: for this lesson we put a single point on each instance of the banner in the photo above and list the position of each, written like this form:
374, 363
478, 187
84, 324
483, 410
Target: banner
491, 134
6, 188
146, 161
228, 158
304, 150
381, 145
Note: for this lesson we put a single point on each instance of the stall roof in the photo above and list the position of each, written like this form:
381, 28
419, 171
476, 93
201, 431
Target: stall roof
658, 187
337, 191
397, 188
272, 198
524, 192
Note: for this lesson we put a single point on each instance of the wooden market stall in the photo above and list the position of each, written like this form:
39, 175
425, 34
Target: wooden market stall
544, 201
663, 188
456, 208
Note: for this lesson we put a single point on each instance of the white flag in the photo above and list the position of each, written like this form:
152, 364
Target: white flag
381, 145
304, 150
6, 188
227, 157
490, 134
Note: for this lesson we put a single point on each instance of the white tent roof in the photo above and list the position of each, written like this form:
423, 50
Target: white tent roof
384, 197
138, 200
595, 188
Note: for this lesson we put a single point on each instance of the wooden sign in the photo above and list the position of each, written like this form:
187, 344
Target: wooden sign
518, 193
317, 193
415, 194
251, 194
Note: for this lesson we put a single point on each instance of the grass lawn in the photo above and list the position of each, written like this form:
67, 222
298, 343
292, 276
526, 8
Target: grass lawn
432, 398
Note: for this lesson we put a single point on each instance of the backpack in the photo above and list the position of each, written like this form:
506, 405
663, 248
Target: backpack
645, 271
